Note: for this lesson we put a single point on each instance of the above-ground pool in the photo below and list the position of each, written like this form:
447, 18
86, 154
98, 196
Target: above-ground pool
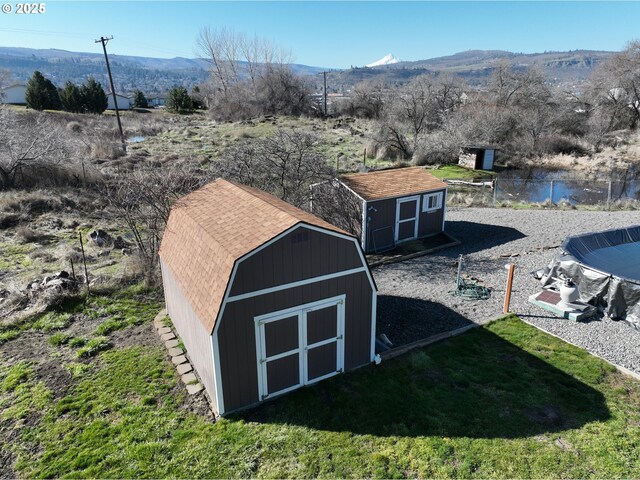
606, 268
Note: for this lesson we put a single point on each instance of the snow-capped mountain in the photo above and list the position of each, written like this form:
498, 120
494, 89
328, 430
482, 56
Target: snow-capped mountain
388, 59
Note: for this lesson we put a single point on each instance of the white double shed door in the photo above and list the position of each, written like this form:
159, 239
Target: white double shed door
299, 346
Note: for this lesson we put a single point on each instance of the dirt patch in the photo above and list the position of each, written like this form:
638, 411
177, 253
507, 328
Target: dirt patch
83, 326
197, 404
404, 320
141, 335
55, 377
29, 346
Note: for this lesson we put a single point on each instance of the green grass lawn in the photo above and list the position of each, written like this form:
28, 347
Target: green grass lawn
459, 173
501, 401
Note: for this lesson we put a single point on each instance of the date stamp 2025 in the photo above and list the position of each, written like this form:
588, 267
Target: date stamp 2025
24, 8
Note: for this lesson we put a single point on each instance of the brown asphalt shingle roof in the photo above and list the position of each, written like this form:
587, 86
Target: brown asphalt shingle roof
392, 183
209, 229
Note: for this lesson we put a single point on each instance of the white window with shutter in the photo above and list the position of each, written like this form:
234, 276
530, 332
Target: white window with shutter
432, 202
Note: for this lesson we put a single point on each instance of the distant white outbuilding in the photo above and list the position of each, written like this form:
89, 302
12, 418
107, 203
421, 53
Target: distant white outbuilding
124, 103
14, 94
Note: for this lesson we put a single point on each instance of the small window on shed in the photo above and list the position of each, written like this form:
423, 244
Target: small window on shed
431, 202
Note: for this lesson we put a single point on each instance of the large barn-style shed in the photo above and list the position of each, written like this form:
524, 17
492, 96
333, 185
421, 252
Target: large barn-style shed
398, 205
266, 297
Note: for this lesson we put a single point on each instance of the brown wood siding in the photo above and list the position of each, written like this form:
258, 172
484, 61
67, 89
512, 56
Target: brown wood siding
195, 337
308, 253
429, 223
236, 333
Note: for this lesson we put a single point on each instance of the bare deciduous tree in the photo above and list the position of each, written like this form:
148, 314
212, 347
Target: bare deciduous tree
367, 100
284, 164
31, 145
417, 109
334, 203
510, 86
614, 90
250, 76
143, 199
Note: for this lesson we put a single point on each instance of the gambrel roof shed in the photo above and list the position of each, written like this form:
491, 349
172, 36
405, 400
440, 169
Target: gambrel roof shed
266, 297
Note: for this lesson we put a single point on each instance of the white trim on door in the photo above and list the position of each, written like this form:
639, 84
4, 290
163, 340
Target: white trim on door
303, 348
415, 218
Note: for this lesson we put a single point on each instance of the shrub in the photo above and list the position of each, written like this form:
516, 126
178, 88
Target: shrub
561, 144
93, 347
77, 342
27, 235
8, 220
58, 339
110, 325
53, 321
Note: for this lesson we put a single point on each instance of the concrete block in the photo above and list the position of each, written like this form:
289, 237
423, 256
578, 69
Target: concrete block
184, 368
179, 359
162, 330
194, 388
175, 351
171, 343
188, 378
167, 336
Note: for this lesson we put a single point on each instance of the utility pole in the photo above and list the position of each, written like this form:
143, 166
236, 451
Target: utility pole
325, 93
104, 41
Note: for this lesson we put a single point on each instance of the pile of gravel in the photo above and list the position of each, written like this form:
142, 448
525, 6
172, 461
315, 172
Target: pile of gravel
490, 238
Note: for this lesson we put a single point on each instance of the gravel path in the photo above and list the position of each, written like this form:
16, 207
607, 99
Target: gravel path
418, 288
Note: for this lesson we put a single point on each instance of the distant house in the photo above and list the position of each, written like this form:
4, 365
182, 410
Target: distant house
386, 207
14, 94
124, 103
155, 101
478, 157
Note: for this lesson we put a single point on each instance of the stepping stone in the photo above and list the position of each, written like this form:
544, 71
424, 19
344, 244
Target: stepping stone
163, 330
159, 318
194, 388
171, 343
167, 336
175, 351
184, 368
179, 360
188, 378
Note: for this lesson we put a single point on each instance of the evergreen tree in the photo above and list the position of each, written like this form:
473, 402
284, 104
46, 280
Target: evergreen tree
41, 94
71, 98
139, 100
94, 99
179, 101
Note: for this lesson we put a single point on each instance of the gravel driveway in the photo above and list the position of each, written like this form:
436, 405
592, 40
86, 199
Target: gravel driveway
414, 299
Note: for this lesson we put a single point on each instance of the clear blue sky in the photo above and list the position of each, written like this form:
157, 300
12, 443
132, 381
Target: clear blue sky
328, 34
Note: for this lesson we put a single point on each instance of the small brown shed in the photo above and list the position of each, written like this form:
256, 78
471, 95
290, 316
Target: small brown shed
398, 205
266, 297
